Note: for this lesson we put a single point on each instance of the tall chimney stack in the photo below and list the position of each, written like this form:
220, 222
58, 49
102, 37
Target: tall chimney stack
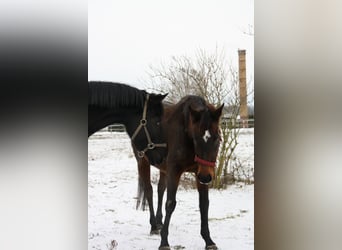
243, 88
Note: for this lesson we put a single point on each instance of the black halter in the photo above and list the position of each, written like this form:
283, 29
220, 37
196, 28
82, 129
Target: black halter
143, 123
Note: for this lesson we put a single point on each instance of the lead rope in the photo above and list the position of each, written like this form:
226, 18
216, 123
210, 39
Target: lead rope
143, 123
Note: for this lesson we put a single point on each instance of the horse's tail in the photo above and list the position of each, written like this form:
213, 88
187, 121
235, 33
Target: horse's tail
141, 197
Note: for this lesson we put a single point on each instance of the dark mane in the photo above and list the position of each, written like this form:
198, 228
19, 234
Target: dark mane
114, 95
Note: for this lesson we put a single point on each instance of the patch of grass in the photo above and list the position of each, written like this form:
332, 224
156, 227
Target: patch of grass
229, 216
178, 247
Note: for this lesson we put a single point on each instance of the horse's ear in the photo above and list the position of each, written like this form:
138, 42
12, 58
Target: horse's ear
157, 97
217, 112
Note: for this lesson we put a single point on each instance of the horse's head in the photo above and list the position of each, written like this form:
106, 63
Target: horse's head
146, 131
203, 127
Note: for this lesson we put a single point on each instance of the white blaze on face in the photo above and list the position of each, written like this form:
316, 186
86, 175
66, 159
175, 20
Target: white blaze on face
206, 135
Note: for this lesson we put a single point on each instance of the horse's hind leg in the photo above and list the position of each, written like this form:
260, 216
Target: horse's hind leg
204, 206
161, 191
145, 179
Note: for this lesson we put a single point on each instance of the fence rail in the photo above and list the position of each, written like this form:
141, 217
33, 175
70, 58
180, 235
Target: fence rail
239, 123
116, 128
231, 122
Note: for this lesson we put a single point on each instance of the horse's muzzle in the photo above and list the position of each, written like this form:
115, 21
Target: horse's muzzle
204, 179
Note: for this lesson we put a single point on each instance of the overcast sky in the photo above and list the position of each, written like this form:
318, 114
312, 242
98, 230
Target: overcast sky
126, 36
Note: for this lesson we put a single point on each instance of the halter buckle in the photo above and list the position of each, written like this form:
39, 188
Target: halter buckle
151, 145
141, 154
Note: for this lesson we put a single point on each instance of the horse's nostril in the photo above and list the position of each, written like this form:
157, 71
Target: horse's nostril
205, 179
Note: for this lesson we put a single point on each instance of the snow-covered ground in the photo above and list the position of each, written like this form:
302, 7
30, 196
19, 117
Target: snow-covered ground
114, 223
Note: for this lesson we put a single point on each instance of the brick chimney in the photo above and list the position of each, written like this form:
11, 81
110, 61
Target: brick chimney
243, 88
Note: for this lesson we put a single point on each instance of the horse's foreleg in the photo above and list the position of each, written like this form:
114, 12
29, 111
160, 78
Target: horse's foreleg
204, 206
149, 197
172, 185
161, 190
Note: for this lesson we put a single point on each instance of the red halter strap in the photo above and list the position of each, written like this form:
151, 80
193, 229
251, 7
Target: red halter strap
204, 162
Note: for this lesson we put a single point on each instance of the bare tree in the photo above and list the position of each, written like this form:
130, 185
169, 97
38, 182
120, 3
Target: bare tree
249, 31
229, 132
204, 75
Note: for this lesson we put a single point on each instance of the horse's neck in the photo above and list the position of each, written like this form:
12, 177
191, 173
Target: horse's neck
174, 123
99, 118
172, 112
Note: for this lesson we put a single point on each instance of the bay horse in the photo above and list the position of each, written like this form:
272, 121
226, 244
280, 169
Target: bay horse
139, 111
192, 133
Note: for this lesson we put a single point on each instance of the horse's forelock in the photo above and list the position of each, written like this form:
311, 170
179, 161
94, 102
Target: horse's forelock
206, 119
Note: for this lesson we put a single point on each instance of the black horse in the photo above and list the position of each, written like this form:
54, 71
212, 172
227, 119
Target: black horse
192, 132
139, 111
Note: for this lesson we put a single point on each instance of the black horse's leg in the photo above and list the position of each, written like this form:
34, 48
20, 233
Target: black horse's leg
204, 206
172, 185
149, 197
145, 175
161, 190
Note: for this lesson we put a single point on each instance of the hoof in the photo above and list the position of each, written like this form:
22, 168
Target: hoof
155, 231
164, 248
211, 247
